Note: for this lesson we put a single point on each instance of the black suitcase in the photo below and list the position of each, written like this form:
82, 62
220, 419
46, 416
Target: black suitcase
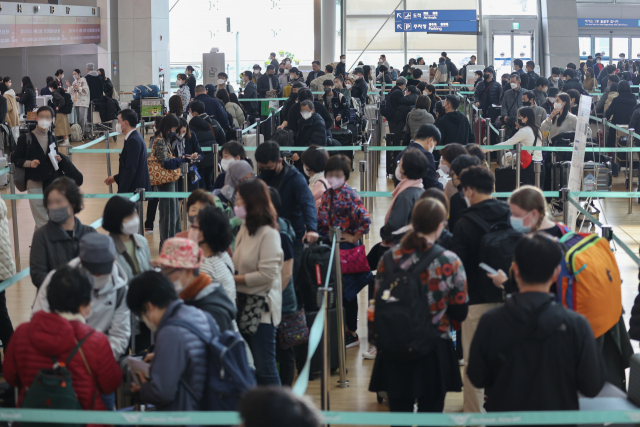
316, 360
560, 175
505, 180
345, 138
391, 157
353, 128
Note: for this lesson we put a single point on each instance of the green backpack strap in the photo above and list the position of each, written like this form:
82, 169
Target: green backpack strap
77, 347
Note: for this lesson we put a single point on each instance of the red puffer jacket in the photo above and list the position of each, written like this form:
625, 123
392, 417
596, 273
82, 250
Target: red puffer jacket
49, 334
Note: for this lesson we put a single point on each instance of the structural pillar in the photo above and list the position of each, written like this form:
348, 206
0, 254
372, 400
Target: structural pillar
559, 34
327, 32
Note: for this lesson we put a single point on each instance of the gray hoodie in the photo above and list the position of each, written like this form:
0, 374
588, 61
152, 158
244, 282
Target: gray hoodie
109, 312
416, 118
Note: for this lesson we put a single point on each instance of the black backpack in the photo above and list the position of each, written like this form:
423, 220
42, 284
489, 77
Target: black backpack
497, 247
312, 274
67, 108
284, 137
403, 326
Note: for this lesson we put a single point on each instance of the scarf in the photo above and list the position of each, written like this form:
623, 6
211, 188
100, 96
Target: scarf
403, 185
195, 287
72, 317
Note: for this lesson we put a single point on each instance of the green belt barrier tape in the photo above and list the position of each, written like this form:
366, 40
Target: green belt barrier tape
96, 224
624, 247
374, 193
329, 417
14, 279
315, 334
595, 119
4, 170
494, 129
89, 144
41, 196
133, 198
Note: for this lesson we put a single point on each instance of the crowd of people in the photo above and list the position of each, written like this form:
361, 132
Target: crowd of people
235, 276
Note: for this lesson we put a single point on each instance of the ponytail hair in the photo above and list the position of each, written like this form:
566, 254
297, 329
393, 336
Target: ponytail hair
426, 217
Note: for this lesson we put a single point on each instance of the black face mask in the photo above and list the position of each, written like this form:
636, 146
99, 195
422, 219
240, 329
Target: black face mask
487, 76
521, 123
504, 82
293, 95
527, 104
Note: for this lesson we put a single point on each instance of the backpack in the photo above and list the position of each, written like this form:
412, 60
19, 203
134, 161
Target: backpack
312, 274
8, 141
284, 137
533, 79
53, 388
386, 109
76, 133
589, 282
228, 372
452, 67
497, 246
146, 91
20, 174
67, 108
402, 322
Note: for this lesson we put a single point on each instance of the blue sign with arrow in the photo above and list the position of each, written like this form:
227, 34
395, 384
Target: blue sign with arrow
436, 21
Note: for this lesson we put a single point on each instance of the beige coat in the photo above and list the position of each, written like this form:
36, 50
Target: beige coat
13, 118
236, 112
80, 93
259, 258
316, 84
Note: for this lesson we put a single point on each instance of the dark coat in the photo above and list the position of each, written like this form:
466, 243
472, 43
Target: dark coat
634, 123
561, 348
96, 86
395, 96
298, 205
311, 131
574, 84
487, 94
3, 110
214, 300
406, 102
44, 172
430, 180
359, 90
620, 111
400, 214
294, 116
134, 169
250, 92
340, 69
52, 247
191, 84
263, 85
466, 242
45, 91
202, 130
312, 76
108, 88
28, 98
455, 127
339, 106
214, 109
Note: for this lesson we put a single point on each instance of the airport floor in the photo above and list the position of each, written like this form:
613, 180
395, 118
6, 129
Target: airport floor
356, 397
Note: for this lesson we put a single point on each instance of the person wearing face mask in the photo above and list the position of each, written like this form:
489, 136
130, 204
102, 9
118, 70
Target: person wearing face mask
572, 82
359, 89
59, 333
314, 160
32, 154
57, 242
417, 117
511, 103
342, 207
598, 66
237, 172
336, 103
311, 127
291, 101
605, 99
258, 260
208, 132
425, 141
556, 78
560, 120
180, 260
133, 167
623, 63
487, 94
316, 71
109, 313
341, 67
196, 201
339, 86
223, 83
550, 100
317, 83
590, 83
454, 126
294, 118
283, 76
458, 203
190, 82
185, 145
532, 75
528, 100
234, 110
257, 73
447, 155
61, 102
179, 356
295, 79
540, 91
477, 183
231, 151
183, 90
81, 99
409, 381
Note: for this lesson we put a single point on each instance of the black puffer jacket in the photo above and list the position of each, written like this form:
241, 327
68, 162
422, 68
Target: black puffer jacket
28, 98
311, 131
202, 129
634, 321
294, 116
634, 123
404, 108
455, 127
620, 111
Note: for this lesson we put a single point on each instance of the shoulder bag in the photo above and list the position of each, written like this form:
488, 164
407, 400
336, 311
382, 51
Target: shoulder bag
157, 173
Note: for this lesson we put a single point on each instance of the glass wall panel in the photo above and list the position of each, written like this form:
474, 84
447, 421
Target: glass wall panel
360, 31
459, 47
585, 47
509, 8
602, 47
635, 49
371, 7
620, 45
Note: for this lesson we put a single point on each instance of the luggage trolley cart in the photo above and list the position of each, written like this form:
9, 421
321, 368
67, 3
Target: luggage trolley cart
95, 123
596, 177
622, 140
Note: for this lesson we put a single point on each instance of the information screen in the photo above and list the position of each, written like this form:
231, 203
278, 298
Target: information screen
27, 31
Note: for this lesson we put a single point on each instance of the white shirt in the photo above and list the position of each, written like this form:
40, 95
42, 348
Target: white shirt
127, 135
525, 137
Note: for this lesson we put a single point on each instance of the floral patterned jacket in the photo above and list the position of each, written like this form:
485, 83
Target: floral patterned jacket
342, 208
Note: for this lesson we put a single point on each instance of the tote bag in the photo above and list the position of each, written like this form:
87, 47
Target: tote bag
157, 173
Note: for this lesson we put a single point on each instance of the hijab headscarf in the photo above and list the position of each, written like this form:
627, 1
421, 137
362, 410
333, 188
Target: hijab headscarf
235, 172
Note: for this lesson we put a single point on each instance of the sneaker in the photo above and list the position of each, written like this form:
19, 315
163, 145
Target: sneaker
64, 143
352, 341
461, 362
148, 231
371, 353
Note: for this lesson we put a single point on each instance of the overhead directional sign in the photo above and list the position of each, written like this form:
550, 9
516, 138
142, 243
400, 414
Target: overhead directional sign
436, 21
593, 22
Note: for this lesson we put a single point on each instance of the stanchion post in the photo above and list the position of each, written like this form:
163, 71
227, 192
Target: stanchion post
479, 127
70, 153
239, 135
518, 154
369, 175
108, 160
630, 166
184, 172
214, 148
604, 133
336, 234
363, 186
501, 134
564, 192
141, 210
537, 169
607, 232
14, 216
258, 130
326, 360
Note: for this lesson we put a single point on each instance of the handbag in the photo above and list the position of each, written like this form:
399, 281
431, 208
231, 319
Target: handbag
525, 159
293, 329
354, 260
250, 308
157, 173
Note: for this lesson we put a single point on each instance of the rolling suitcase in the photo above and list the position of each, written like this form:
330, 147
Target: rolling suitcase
391, 157
560, 175
316, 360
345, 138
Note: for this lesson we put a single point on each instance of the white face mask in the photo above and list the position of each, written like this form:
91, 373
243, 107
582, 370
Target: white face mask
398, 174
131, 227
181, 136
348, 86
555, 79
44, 124
343, 60
557, 106
119, 128
444, 168
306, 115
514, 85
100, 282
220, 81
152, 327
286, 71
467, 200
224, 164
288, 62
335, 183
179, 82
177, 284
356, 77
306, 172
75, 77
